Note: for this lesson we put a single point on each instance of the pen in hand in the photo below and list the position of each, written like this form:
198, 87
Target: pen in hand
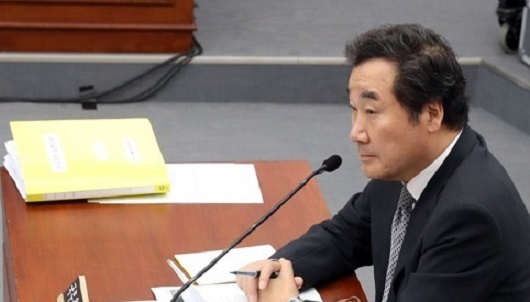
253, 274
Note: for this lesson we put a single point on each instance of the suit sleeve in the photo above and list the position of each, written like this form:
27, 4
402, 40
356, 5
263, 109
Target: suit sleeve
334, 247
459, 258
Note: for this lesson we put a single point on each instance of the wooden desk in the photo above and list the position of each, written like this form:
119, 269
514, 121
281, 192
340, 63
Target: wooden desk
121, 249
97, 26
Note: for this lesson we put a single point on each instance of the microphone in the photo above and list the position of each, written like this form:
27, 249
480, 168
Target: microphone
328, 165
331, 164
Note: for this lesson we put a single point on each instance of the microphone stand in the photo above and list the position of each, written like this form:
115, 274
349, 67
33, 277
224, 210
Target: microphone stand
247, 232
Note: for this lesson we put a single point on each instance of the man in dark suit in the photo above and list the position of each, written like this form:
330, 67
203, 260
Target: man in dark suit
440, 219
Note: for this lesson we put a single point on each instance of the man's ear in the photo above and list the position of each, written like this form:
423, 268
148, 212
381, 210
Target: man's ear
434, 111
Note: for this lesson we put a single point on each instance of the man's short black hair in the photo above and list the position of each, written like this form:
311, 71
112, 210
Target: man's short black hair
427, 68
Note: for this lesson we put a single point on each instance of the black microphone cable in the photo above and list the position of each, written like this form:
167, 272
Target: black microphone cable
177, 62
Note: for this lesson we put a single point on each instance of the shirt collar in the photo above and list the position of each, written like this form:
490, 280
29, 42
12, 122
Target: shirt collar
419, 182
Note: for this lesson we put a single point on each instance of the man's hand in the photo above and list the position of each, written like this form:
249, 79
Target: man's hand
282, 288
250, 286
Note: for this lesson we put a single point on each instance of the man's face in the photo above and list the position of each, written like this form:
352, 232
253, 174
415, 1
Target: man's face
390, 145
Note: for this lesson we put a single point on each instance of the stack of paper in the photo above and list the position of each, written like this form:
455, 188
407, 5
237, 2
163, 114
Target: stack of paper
81, 159
218, 284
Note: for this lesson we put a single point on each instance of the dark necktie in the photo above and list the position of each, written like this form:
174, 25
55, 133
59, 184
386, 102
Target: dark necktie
399, 228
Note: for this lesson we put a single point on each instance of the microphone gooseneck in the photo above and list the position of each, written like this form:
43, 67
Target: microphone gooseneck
330, 164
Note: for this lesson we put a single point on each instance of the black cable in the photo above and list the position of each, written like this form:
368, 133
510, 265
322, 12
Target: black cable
178, 61
149, 92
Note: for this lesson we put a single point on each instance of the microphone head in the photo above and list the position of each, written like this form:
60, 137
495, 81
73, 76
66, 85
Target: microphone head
332, 163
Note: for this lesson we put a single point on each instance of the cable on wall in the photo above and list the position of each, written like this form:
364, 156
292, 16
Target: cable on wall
175, 63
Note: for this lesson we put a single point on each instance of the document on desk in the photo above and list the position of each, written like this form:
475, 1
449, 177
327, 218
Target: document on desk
228, 292
188, 265
52, 160
218, 284
203, 183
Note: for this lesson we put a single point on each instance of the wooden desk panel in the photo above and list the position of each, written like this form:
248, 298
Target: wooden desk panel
97, 26
121, 249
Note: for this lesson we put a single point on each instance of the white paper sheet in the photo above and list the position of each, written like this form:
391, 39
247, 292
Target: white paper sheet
220, 273
203, 183
228, 292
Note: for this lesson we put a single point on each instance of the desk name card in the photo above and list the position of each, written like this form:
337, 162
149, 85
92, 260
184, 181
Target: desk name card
76, 292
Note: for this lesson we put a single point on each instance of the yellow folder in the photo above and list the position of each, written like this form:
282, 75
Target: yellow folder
78, 159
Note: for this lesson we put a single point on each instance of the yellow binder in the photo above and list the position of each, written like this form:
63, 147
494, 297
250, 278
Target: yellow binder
78, 159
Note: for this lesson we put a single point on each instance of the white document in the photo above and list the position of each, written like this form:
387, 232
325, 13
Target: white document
228, 292
192, 263
203, 183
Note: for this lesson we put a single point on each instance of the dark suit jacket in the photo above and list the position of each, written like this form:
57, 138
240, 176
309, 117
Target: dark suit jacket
468, 238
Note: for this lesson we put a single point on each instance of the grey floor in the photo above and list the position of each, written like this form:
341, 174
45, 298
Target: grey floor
189, 131
321, 28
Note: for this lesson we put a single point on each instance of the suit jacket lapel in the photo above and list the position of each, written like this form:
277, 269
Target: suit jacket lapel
429, 197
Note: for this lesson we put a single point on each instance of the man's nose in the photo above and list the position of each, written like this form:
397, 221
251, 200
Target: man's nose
358, 132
